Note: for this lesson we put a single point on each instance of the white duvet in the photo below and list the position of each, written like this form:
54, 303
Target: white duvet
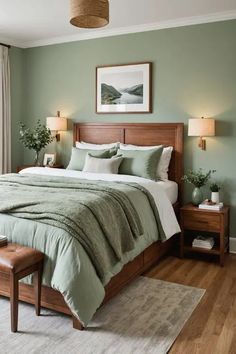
166, 212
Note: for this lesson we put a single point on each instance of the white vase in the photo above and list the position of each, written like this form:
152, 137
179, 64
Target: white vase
215, 197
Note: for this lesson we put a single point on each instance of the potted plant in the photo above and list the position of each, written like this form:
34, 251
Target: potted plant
199, 179
35, 139
215, 195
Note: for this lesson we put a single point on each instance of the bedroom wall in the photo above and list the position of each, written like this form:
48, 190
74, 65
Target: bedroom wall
194, 75
17, 78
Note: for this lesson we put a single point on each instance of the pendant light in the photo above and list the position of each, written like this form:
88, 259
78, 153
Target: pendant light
89, 13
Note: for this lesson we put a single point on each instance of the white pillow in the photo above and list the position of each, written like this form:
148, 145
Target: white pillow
137, 147
88, 146
100, 165
163, 166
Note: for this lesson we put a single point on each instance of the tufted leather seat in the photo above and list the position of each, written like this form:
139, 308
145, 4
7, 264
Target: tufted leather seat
16, 258
19, 261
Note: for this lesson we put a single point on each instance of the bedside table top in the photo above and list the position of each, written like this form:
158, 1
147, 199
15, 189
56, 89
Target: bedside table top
22, 167
54, 166
192, 208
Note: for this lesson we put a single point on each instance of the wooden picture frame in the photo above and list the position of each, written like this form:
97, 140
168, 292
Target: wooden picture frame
49, 159
124, 88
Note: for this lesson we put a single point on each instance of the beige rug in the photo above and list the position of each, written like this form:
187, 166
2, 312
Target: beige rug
146, 317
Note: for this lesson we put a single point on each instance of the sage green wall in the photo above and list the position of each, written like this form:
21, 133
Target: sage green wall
194, 75
17, 77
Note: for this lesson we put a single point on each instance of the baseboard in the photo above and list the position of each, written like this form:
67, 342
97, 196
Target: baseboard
232, 245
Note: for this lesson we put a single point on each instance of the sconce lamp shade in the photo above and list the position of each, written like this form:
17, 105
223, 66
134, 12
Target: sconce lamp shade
201, 127
89, 13
57, 123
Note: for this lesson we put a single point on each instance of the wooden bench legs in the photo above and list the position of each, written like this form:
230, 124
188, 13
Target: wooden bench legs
14, 291
37, 288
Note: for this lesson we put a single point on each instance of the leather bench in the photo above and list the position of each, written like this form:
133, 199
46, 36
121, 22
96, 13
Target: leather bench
18, 262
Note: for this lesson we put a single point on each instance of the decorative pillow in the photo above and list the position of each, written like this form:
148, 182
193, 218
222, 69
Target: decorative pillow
137, 147
78, 157
142, 163
163, 166
88, 146
101, 165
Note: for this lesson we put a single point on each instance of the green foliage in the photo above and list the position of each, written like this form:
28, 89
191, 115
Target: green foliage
35, 139
198, 178
214, 187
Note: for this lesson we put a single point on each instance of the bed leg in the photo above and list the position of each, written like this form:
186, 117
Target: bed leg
77, 324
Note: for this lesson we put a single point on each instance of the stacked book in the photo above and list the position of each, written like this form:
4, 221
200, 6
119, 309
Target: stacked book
208, 205
203, 242
3, 240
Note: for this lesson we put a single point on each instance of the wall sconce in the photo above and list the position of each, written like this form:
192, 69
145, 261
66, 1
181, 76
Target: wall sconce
201, 127
57, 124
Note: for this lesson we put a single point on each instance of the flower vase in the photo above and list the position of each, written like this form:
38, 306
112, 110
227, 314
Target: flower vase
36, 159
215, 197
197, 197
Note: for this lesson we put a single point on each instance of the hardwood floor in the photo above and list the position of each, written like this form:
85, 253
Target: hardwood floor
212, 327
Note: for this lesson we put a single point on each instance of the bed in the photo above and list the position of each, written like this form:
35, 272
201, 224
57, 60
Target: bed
170, 134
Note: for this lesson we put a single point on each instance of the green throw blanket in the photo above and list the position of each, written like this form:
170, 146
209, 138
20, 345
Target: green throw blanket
99, 215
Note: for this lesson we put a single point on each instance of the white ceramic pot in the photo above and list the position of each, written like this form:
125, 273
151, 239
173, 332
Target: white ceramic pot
215, 197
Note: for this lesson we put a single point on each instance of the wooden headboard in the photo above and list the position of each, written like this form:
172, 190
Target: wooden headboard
167, 134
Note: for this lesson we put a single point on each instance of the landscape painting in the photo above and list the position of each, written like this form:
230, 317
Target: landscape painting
124, 88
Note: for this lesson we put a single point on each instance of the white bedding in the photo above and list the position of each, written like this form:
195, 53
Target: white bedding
171, 189
162, 192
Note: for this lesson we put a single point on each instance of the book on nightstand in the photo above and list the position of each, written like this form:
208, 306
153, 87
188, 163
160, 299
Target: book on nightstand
3, 241
208, 205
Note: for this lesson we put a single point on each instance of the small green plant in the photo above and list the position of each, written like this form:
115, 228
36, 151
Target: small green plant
198, 178
214, 187
35, 139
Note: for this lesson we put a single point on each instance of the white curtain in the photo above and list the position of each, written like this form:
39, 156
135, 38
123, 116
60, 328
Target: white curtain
5, 111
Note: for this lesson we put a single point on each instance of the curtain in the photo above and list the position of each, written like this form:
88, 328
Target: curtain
5, 112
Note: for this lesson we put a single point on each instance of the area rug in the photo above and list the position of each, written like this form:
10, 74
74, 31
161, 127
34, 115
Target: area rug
146, 317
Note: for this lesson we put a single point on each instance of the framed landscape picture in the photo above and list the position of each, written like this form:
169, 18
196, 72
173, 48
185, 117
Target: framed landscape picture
124, 88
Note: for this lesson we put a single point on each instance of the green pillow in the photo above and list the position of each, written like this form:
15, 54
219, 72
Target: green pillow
78, 157
142, 163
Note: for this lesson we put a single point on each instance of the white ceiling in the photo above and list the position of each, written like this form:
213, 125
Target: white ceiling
30, 23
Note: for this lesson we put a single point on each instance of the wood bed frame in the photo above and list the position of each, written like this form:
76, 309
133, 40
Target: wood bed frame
168, 134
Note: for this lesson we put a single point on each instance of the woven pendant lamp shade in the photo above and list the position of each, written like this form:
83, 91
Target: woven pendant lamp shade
89, 13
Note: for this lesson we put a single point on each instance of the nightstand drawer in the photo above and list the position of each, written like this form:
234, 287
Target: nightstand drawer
202, 221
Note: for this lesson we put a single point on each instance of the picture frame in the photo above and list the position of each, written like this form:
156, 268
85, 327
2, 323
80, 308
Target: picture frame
49, 160
124, 88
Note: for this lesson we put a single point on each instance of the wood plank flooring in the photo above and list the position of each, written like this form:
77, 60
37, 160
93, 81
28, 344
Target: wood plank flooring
212, 327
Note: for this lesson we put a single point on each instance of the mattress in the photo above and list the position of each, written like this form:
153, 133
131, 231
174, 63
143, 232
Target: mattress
171, 190
156, 189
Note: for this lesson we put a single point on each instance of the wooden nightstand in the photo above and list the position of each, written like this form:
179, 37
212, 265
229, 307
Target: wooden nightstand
213, 223
19, 168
